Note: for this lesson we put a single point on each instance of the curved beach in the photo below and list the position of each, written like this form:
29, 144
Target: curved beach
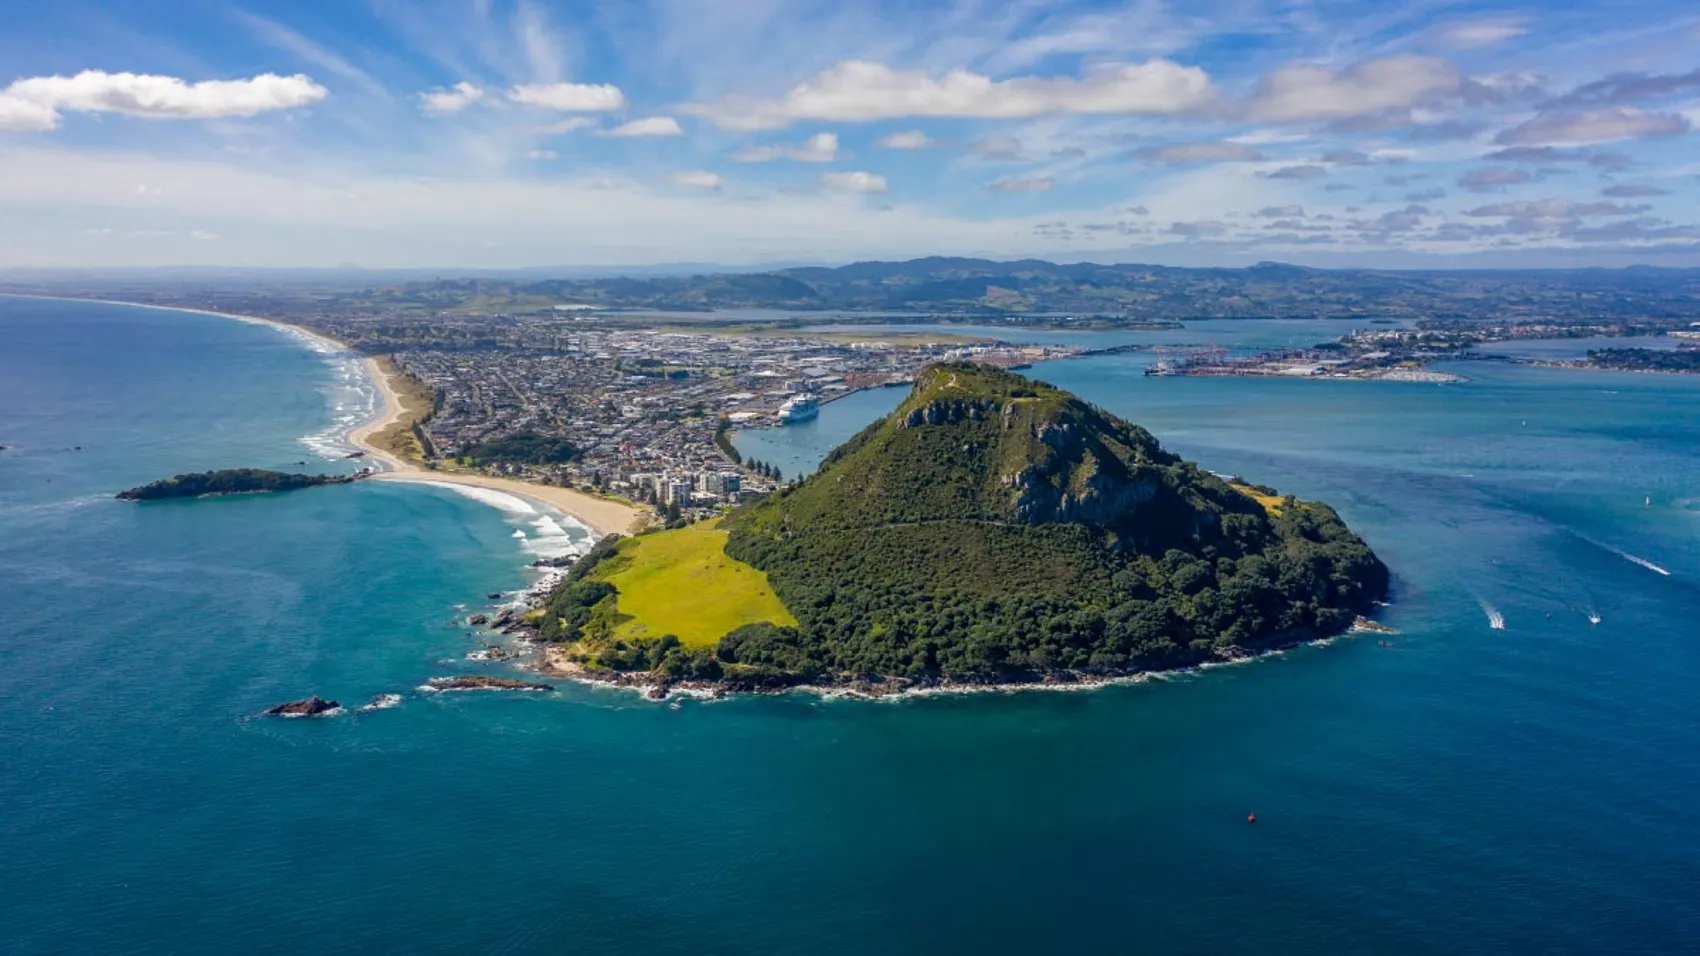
599, 514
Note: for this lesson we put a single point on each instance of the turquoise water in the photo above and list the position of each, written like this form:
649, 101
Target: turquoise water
1467, 790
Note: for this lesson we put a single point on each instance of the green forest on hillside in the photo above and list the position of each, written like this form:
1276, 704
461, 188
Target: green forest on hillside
994, 528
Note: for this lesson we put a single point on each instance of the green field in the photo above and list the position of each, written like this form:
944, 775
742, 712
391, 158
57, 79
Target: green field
682, 583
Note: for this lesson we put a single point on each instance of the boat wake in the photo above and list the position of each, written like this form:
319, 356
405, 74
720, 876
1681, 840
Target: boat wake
1625, 555
1633, 559
1495, 619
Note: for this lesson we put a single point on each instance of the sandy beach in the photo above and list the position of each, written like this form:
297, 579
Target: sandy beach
598, 514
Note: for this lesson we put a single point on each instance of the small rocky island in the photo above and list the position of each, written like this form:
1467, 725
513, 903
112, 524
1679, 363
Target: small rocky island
310, 707
484, 682
231, 481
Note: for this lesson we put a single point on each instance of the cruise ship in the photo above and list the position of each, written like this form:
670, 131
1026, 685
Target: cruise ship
803, 408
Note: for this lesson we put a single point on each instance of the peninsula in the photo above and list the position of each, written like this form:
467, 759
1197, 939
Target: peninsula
992, 530
231, 481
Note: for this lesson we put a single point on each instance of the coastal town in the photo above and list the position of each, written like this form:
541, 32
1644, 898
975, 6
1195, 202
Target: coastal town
631, 403
644, 415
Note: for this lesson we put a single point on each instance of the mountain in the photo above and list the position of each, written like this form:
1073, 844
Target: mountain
1055, 293
997, 529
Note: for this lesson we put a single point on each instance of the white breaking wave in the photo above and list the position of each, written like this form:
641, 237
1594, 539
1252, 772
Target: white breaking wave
541, 532
500, 500
548, 539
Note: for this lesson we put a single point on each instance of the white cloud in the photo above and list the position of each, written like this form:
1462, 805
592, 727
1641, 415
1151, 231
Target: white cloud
569, 97
571, 124
452, 100
908, 139
697, 179
863, 91
542, 154
1308, 92
1473, 34
857, 182
1594, 126
202, 235
1009, 184
17, 114
819, 148
34, 103
648, 126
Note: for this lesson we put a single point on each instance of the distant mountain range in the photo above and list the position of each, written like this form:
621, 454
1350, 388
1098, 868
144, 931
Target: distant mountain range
1033, 286
1024, 290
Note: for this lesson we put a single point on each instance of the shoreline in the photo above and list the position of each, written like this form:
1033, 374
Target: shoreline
550, 662
289, 328
601, 516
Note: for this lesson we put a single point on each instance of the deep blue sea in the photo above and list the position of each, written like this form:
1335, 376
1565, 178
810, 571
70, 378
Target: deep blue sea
1533, 787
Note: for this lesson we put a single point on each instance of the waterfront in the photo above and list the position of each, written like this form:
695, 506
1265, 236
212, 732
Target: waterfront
1465, 790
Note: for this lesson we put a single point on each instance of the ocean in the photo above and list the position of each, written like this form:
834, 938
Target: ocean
1506, 776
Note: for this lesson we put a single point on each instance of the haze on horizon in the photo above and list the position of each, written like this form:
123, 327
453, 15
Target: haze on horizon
485, 134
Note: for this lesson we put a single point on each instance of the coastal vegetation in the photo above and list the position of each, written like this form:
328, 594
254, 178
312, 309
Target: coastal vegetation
1646, 360
991, 529
229, 481
406, 437
527, 448
722, 440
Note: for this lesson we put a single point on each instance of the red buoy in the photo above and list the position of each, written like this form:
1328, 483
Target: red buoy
1251, 818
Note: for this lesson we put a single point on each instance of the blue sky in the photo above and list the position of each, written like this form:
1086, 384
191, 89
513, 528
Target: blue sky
509, 133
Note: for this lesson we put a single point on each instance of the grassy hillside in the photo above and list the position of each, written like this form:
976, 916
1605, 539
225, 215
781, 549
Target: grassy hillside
661, 601
682, 583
